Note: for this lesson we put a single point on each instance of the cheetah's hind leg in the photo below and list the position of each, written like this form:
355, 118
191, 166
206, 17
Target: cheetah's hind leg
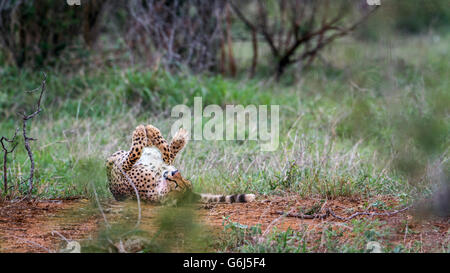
139, 141
156, 139
178, 142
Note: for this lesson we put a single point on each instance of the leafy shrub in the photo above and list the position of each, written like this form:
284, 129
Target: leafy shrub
35, 32
418, 15
409, 17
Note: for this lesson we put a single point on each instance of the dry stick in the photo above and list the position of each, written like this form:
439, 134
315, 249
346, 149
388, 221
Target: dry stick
60, 235
136, 191
367, 213
31, 243
120, 248
26, 138
100, 206
5, 157
272, 223
303, 216
329, 212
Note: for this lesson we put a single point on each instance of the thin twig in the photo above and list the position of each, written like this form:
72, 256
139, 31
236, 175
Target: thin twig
31, 243
26, 138
329, 212
304, 216
5, 157
60, 235
273, 222
135, 190
391, 213
99, 206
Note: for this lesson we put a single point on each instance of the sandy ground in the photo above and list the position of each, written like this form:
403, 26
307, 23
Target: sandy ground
43, 226
432, 233
40, 226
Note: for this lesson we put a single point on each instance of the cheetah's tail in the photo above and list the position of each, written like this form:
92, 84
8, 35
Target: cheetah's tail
235, 198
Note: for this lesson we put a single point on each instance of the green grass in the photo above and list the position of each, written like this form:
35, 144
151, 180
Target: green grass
339, 125
349, 237
370, 122
251, 239
171, 230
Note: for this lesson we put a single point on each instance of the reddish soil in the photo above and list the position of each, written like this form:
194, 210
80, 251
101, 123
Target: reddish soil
434, 234
34, 226
28, 226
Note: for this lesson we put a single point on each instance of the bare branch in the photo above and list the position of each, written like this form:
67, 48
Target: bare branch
297, 30
33, 244
329, 212
100, 206
5, 157
342, 31
135, 191
177, 32
26, 138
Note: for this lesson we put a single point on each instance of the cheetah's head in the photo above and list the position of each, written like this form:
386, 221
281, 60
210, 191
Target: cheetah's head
176, 181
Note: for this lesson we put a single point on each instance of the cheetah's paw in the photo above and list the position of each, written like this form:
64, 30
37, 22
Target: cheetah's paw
182, 134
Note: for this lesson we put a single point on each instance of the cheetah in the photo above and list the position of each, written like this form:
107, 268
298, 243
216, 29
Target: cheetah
147, 170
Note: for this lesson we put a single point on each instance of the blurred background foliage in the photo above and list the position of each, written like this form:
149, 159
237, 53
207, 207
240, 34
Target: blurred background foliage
385, 81
407, 18
34, 33
190, 32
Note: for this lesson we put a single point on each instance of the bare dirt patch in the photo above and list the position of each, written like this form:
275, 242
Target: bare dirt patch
31, 226
406, 228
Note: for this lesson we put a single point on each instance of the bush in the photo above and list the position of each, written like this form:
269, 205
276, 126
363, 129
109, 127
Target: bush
35, 32
419, 15
176, 33
408, 17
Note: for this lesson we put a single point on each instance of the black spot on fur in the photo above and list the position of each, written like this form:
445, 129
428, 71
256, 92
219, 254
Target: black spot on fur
241, 198
233, 198
222, 198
